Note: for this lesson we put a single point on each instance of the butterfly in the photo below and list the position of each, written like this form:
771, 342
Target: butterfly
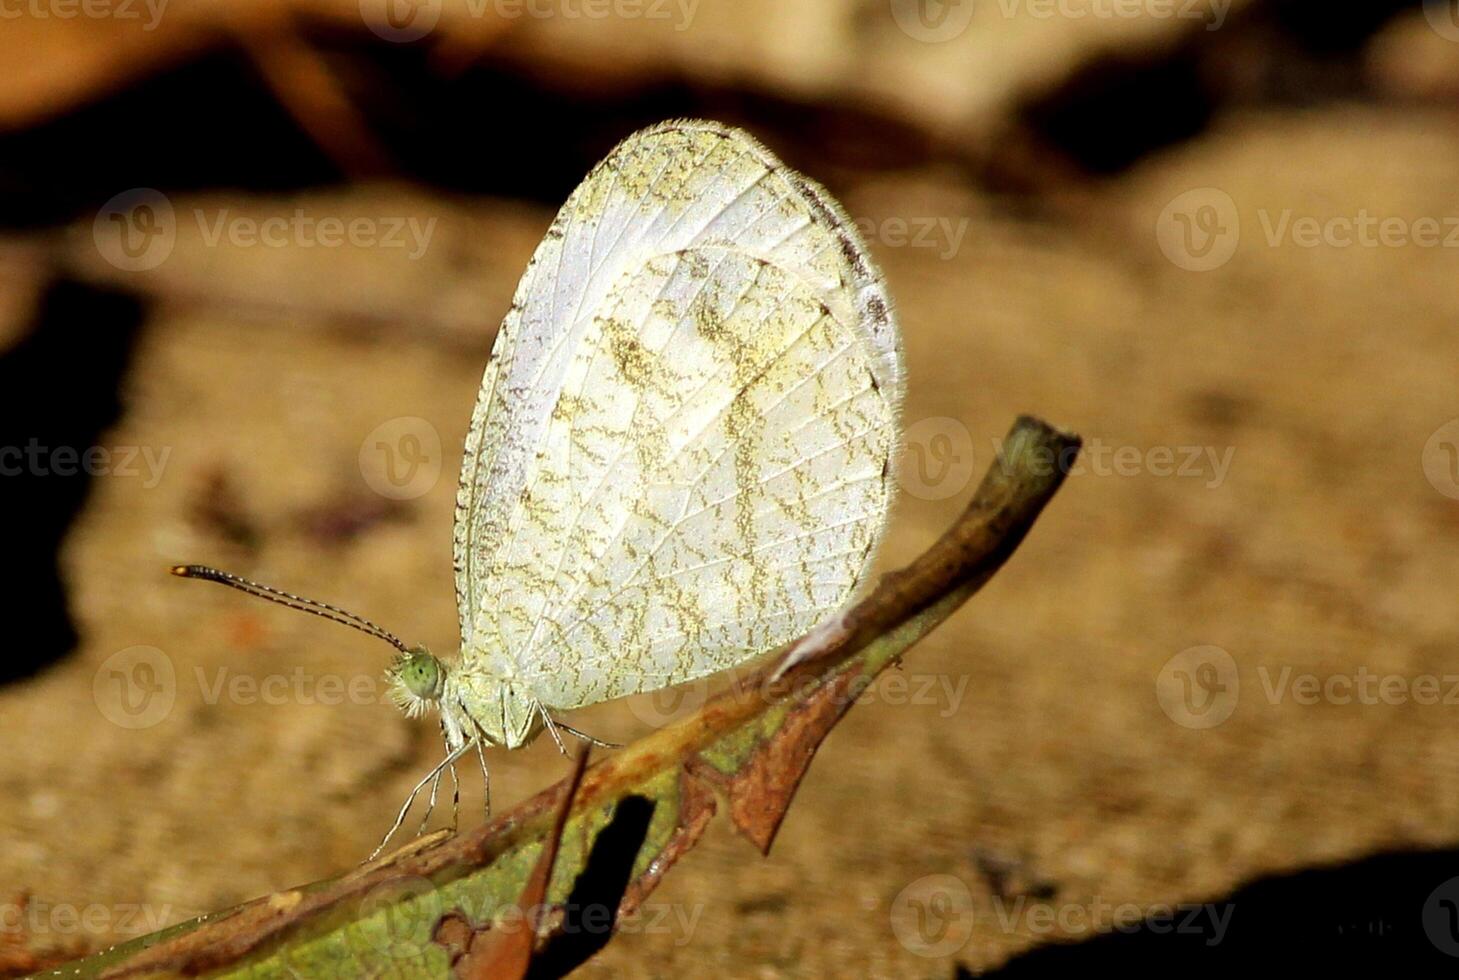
682, 454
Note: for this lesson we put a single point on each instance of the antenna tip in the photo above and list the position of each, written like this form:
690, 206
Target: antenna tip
181, 571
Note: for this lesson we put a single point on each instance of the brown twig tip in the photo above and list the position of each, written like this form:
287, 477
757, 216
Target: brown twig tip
1044, 442
1050, 431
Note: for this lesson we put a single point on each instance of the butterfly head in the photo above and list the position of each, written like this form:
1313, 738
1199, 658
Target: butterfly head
417, 680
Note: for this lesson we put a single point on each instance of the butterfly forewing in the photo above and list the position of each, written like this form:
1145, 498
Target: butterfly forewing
681, 455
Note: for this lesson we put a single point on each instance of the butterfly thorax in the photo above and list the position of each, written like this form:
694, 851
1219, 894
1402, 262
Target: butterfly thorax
473, 702
481, 700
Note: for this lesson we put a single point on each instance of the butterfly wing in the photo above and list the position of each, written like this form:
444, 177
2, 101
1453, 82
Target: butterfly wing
682, 452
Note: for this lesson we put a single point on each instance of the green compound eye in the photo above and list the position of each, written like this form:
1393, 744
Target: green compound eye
419, 678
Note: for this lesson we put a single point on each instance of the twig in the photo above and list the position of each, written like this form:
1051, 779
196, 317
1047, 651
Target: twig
753, 742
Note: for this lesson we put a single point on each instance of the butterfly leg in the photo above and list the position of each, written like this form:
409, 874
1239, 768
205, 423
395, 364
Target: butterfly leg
400, 819
485, 779
435, 786
455, 799
551, 727
430, 804
588, 738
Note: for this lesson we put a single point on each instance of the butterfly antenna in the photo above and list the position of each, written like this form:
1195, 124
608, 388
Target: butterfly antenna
313, 606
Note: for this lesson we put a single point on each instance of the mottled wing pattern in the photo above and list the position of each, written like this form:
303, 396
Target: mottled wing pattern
682, 452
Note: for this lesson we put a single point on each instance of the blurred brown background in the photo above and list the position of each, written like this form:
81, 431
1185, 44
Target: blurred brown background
252, 257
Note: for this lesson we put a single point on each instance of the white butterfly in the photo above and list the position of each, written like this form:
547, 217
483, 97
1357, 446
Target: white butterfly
682, 453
